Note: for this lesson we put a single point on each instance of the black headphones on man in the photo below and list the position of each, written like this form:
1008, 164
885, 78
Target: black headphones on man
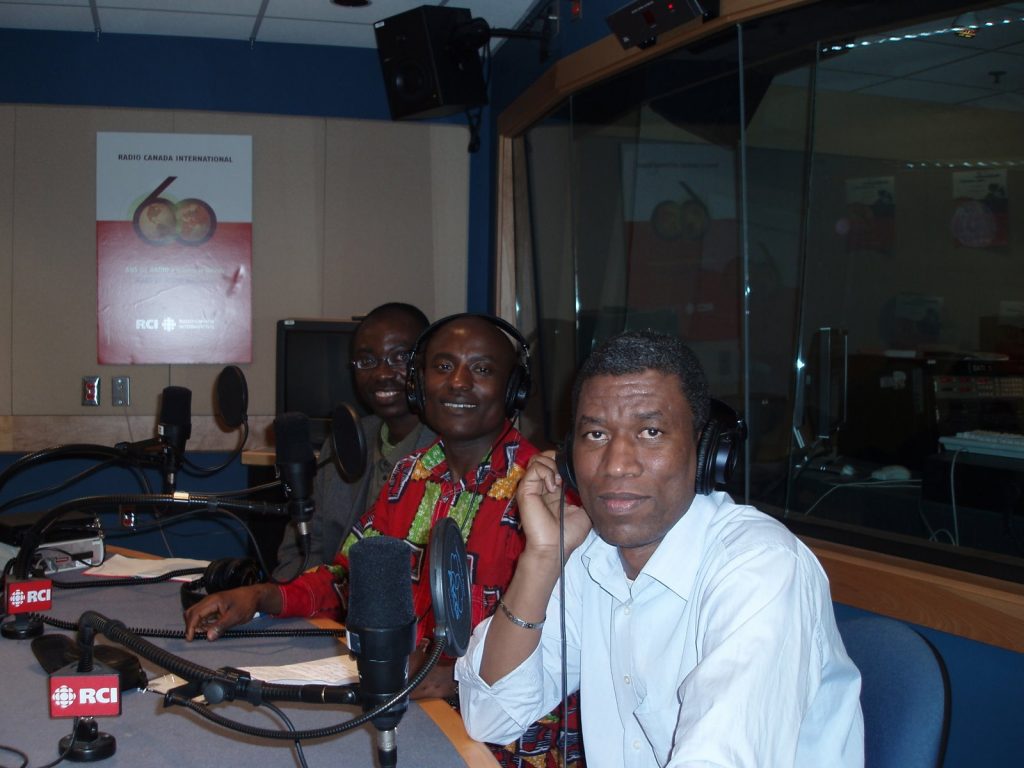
718, 450
520, 383
226, 573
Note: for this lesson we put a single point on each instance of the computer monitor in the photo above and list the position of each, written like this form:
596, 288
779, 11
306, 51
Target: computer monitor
821, 389
313, 371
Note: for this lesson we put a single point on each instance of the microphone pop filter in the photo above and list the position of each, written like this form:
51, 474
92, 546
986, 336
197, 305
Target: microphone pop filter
232, 397
348, 443
380, 583
449, 587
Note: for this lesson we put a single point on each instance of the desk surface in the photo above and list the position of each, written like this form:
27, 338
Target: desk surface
430, 734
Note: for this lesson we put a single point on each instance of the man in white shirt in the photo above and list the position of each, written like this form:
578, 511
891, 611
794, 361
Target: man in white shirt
698, 631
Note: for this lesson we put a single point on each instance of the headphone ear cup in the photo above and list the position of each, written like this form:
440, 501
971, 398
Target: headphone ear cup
518, 390
719, 448
704, 481
225, 573
413, 388
231, 573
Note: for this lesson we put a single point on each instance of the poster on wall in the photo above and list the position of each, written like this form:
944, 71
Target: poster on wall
679, 210
869, 223
980, 209
173, 248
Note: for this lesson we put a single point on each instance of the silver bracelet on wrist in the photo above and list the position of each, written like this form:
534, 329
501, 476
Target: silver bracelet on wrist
518, 621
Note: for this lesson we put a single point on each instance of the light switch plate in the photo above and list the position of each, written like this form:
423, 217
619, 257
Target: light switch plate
120, 391
90, 390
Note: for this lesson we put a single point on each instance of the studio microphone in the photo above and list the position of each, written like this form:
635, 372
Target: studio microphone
174, 429
296, 466
381, 627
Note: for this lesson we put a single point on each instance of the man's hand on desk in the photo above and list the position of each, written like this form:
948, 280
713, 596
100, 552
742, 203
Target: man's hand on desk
219, 612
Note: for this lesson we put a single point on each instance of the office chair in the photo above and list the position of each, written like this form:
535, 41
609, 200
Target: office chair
904, 694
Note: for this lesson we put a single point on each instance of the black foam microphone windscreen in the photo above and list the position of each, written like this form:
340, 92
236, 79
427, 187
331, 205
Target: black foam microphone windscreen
380, 583
381, 631
175, 425
296, 466
294, 454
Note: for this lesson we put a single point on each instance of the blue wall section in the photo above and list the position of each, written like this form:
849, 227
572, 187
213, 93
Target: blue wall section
190, 73
206, 537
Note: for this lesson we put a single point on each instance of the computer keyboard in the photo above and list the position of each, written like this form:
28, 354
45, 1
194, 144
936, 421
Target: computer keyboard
1007, 444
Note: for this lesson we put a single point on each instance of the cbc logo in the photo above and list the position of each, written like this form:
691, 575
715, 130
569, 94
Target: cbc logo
19, 597
64, 697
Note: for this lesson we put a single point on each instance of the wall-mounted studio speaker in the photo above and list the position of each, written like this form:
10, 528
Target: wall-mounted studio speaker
427, 71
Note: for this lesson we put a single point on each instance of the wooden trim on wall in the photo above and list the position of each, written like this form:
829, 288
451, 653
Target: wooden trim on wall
964, 604
607, 58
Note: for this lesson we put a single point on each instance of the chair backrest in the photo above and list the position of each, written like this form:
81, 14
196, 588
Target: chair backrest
904, 694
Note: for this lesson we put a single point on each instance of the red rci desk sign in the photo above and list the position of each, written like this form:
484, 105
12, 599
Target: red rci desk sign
28, 595
85, 694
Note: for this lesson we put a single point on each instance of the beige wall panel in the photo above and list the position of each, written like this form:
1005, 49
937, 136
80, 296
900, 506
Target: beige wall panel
449, 160
346, 214
6, 263
54, 305
288, 189
379, 227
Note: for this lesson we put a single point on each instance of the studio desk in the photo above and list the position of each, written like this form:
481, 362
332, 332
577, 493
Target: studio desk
149, 734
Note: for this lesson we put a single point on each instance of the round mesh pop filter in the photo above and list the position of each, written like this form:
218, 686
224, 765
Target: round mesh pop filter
232, 397
449, 586
348, 443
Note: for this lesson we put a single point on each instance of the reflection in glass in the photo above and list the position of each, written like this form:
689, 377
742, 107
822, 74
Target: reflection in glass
839, 186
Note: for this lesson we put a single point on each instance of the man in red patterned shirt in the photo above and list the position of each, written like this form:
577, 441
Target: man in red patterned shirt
468, 384
469, 473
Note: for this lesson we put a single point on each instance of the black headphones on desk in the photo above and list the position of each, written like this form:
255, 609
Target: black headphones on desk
718, 450
517, 391
220, 575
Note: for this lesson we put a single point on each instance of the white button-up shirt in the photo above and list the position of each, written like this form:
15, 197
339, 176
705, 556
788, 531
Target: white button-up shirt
723, 652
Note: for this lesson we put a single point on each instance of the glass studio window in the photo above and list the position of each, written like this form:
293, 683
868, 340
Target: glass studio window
821, 203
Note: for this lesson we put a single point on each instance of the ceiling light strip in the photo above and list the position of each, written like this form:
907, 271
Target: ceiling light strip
836, 48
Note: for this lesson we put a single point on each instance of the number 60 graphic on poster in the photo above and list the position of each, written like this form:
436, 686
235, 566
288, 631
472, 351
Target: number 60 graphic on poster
159, 221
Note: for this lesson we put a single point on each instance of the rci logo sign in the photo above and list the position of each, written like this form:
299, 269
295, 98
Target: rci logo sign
19, 597
169, 324
84, 695
147, 324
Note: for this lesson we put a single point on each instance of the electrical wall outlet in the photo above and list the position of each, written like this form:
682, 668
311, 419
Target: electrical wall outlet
120, 391
90, 390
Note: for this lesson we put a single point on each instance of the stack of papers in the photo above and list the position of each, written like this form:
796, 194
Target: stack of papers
119, 565
334, 670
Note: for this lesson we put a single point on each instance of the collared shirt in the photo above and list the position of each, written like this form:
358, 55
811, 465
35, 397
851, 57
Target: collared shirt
724, 651
420, 491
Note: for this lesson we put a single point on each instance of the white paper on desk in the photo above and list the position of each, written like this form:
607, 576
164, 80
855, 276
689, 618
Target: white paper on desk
340, 669
119, 565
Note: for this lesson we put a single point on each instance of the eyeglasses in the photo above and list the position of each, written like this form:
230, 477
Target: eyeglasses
394, 361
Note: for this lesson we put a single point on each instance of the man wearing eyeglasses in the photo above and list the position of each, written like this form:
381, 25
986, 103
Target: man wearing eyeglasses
380, 352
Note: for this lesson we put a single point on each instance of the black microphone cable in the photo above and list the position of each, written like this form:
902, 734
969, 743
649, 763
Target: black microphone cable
561, 627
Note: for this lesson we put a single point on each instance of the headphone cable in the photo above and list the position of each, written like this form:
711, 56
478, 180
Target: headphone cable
561, 627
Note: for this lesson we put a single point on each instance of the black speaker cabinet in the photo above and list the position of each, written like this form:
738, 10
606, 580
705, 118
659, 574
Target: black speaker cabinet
426, 72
